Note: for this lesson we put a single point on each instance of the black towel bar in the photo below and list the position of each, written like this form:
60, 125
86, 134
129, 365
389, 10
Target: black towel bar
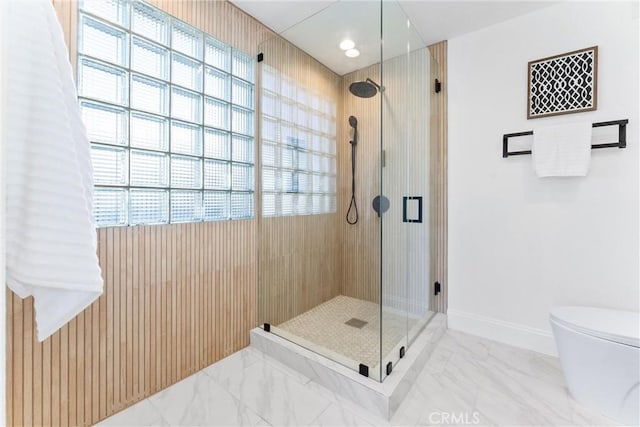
622, 138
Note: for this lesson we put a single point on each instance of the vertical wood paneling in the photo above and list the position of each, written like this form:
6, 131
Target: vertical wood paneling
15, 359
26, 405
58, 383
438, 205
360, 243
64, 377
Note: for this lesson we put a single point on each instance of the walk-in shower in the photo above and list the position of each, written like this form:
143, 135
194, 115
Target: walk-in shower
354, 140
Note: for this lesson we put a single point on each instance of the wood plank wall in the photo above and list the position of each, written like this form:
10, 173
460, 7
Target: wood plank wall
299, 266
438, 201
176, 299
360, 243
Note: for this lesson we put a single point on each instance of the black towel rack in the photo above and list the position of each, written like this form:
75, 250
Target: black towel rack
622, 138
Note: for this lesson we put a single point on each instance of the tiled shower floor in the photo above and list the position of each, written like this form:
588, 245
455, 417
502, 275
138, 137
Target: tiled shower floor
324, 328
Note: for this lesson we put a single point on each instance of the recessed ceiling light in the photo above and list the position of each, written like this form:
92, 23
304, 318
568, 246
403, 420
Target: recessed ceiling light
347, 44
352, 53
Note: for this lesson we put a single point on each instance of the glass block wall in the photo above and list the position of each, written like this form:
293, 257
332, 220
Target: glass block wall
170, 114
298, 148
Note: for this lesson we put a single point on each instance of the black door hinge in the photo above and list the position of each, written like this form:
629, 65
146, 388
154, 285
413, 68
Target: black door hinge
364, 370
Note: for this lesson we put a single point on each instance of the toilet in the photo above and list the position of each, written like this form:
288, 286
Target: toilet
599, 352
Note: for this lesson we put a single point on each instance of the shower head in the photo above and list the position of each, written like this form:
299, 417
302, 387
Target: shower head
365, 89
353, 122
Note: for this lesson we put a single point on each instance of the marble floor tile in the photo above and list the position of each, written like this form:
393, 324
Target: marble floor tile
237, 362
465, 345
500, 409
547, 368
582, 416
543, 367
199, 401
443, 393
438, 360
410, 410
467, 380
223, 369
142, 413
262, 423
336, 415
275, 396
347, 405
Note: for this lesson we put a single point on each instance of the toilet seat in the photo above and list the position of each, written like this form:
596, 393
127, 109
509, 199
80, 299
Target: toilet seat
612, 325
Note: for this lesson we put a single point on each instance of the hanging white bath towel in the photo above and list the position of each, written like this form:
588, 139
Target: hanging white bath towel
51, 237
562, 150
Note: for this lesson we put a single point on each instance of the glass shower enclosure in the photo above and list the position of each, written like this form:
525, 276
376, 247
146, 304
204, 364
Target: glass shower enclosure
343, 192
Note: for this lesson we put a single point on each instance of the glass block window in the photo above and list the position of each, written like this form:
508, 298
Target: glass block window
170, 114
298, 147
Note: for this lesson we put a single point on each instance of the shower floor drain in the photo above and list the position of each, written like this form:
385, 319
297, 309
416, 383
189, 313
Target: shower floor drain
356, 323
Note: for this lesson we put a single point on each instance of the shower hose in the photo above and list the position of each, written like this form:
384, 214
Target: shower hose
353, 206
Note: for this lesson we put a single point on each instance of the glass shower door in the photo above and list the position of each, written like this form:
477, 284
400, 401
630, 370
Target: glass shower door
404, 153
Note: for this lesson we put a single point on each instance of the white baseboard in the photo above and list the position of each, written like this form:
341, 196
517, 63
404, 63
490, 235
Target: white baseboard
513, 334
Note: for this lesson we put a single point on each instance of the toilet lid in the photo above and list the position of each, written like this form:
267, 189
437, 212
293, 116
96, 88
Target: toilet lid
613, 325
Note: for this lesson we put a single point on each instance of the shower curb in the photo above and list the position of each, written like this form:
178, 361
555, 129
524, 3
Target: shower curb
381, 399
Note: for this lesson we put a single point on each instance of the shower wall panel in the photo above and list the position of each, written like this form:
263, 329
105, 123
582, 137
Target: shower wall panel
360, 243
299, 254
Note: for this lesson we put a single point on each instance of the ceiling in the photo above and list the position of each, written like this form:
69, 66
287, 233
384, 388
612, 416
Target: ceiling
318, 27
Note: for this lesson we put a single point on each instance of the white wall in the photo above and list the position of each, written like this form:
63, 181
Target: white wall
519, 245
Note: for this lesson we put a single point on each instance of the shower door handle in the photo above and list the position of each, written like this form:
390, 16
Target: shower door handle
417, 217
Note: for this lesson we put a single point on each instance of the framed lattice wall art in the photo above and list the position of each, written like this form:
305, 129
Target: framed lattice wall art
563, 84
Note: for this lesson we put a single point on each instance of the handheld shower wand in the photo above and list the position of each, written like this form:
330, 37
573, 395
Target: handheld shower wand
353, 206
353, 122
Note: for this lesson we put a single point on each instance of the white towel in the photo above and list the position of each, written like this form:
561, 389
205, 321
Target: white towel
562, 150
51, 237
